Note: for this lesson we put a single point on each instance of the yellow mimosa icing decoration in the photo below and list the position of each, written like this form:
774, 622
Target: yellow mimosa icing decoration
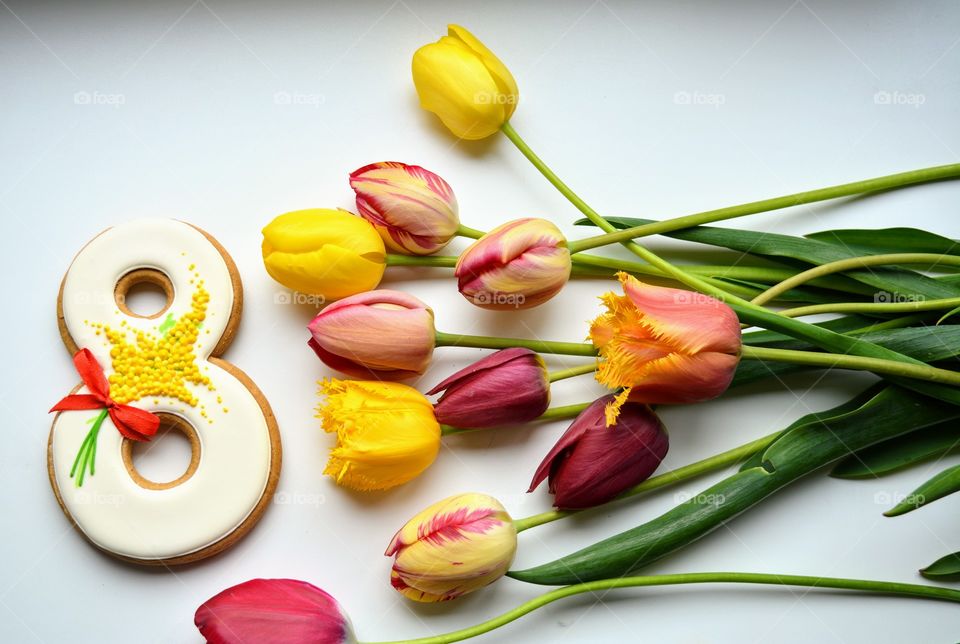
159, 365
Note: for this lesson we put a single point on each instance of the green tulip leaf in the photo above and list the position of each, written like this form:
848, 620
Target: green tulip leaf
929, 344
888, 240
814, 441
899, 453
790, 249
944, 569
943, 484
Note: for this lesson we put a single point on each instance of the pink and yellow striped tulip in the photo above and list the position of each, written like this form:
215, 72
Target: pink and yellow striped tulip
383, 333
413, 209
664, 345
452, 548
518, 265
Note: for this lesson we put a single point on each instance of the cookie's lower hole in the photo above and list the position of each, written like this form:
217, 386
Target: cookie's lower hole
167, 460
144, 293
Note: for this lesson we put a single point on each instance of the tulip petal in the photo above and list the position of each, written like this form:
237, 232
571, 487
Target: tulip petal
452, 547
690, 321
386, 433
414, 209
585, 420
273, 611
519, 264
454, 84
489, 362
504, 79
704, 376
386, 333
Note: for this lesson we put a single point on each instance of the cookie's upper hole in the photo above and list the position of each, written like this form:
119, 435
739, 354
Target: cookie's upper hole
144, 293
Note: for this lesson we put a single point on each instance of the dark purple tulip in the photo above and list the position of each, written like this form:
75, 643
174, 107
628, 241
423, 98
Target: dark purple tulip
593, 463
506, 387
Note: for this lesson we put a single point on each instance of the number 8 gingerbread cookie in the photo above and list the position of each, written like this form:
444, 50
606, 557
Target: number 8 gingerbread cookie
140, 373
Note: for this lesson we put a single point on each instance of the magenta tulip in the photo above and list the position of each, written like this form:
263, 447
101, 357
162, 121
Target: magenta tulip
385, 334
592, 462
507, 387
273, 611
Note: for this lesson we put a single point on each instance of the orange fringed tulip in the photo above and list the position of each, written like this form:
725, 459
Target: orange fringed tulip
386, 433
664, 345
452, 548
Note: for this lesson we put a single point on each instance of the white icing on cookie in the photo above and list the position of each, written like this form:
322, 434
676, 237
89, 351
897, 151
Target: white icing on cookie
113, 510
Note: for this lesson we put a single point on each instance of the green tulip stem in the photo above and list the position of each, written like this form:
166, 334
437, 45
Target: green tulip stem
467, 231
888, 182
853, 263
841, 361
912, 306
693, 470
584, 264
430, 261
805, 581
553, 413
540, 346
747, 311
563, 374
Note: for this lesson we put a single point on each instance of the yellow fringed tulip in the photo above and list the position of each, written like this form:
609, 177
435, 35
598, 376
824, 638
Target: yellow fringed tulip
386, 433
324, 252
465, 84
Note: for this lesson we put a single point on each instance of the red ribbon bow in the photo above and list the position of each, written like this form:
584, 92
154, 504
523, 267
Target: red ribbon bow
132, 422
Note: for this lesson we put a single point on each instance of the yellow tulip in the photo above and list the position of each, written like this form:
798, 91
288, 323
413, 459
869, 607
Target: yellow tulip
324, 252
465, 84
386, 433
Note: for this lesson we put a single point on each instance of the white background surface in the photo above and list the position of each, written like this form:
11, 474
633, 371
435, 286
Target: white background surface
203, 135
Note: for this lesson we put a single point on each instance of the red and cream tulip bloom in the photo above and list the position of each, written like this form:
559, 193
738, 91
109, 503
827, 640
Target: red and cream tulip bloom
518, 265
413, 209
454, 547
664, 345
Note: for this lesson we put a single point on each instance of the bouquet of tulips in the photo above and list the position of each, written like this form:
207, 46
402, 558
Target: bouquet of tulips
713, 328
